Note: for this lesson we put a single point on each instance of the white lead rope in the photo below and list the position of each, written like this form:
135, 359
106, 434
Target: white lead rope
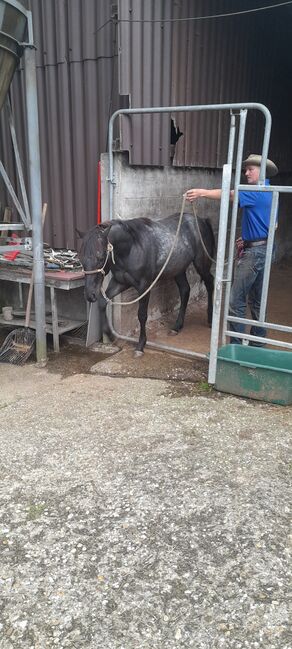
201, 238
161, 270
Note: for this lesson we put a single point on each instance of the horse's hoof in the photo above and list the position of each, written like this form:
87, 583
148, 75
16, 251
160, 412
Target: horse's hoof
172, 332
137, 353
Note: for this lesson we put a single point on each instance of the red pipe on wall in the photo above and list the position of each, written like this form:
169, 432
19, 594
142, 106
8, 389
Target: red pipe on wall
98, 194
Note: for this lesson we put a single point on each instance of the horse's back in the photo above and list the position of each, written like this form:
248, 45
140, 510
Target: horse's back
152, 240
187, 248
192, 230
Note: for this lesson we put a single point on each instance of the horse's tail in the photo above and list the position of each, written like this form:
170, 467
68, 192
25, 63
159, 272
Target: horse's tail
210, 242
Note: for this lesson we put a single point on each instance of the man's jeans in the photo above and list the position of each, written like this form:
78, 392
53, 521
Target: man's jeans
247, 286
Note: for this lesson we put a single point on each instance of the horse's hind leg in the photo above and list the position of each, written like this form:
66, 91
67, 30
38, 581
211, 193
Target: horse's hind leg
209, 283
184, 292
208, 280
142, 317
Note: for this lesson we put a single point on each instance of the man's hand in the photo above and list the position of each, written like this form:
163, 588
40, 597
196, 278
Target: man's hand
193, 194
239, 244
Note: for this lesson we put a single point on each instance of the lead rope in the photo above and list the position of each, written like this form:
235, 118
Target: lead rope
202, 241
161, 270
199, 231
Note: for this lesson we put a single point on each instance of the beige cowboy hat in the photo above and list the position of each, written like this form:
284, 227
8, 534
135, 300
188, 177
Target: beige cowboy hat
255, 160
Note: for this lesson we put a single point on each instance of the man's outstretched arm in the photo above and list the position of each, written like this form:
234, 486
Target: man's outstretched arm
213, 194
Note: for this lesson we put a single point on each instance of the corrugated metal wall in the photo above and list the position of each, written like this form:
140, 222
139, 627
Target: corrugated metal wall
77, 93
88, 66
233, 59
145, 76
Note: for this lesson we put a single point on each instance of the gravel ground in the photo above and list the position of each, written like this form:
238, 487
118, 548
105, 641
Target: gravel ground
141, 514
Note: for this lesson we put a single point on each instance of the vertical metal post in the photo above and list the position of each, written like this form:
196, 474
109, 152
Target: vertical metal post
110, 178
36, 202
269, 253
265, 148
231, 139
223, 220
243, 115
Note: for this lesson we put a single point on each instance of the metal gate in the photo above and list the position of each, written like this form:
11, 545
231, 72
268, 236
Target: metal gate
238, 115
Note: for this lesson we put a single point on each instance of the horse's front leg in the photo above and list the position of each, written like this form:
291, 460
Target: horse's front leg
114, 288
105, 328
142, 317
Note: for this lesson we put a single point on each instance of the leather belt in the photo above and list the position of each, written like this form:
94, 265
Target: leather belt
251, 244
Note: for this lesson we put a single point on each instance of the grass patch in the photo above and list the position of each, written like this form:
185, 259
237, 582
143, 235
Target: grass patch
203, 386
35, 511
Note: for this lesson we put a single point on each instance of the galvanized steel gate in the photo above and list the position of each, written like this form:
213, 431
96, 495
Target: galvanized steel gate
238, 115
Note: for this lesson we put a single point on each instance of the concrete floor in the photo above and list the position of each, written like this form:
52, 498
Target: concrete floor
141, 513
139, 508
196, 334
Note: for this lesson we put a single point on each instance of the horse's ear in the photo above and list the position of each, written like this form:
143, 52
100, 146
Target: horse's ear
80, 233
105, 227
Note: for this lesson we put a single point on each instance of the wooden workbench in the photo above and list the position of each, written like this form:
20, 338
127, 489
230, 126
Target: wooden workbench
54, 280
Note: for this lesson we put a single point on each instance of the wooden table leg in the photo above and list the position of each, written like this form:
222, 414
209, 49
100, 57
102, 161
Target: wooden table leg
55, 323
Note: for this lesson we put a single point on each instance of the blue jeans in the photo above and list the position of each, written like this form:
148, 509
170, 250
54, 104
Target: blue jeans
247, 287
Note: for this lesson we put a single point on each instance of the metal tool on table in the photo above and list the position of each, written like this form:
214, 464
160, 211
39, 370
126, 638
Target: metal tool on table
19, 343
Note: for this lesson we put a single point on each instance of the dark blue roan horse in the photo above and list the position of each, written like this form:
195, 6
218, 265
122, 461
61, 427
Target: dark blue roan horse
140, 247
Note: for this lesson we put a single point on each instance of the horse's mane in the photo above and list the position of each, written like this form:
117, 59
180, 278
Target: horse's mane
136, 228
90, 239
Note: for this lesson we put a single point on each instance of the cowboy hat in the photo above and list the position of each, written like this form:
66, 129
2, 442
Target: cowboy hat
255, 160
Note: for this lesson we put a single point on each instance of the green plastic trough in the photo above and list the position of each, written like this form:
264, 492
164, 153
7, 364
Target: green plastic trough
256, 373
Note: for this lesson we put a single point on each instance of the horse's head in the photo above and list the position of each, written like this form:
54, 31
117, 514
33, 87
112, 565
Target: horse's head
93, 255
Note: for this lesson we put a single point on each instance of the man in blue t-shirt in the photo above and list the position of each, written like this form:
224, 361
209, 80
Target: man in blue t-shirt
249, 271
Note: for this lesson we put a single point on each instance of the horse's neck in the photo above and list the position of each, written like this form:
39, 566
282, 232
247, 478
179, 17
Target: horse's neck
120, 239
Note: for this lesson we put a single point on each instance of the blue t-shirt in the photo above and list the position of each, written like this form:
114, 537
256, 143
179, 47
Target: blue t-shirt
255, 214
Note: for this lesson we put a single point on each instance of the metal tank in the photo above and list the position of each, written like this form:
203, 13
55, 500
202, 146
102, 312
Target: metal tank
13, 32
